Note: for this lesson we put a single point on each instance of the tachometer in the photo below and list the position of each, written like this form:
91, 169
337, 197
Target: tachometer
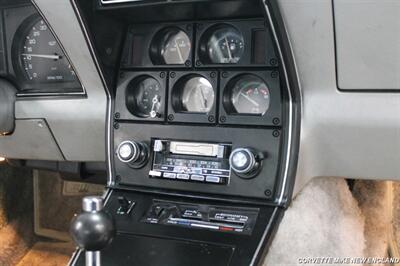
39, 56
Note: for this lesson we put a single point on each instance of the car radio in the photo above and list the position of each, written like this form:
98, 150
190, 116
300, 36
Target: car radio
191, 161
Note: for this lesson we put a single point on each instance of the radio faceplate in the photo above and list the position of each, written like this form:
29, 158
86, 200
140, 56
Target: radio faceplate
191, 161
266, 141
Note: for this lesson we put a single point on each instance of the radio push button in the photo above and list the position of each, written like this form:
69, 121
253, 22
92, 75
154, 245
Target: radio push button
199, 178
213, 179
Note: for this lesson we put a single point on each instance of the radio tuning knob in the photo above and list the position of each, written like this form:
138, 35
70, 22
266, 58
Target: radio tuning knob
132, 152
244, 162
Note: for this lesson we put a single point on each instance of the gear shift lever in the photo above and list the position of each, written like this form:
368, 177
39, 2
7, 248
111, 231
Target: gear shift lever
93, 229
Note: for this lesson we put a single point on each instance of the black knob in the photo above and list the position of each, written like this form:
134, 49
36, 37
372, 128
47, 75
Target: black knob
93, 229
244, 162
132, 152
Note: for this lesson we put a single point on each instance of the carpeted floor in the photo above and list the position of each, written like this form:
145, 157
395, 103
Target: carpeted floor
48, 254
18, 243
328, 220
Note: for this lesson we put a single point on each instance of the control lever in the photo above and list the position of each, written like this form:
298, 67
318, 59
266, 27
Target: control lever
93, 229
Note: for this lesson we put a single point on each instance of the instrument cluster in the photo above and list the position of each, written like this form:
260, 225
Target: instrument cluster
207, 73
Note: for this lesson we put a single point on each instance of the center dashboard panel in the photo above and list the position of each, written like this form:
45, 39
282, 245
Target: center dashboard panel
199, 108
199, 131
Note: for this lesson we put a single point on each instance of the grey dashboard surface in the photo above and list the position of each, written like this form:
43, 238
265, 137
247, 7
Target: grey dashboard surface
368, 44
355, 135
38, 143
77, 123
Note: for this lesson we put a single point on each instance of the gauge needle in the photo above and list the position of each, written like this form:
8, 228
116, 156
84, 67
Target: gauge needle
153, 113
250, 99
179, 51
47, 56
204, 101
229, 50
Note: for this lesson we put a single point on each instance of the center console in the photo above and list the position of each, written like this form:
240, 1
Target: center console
202, 129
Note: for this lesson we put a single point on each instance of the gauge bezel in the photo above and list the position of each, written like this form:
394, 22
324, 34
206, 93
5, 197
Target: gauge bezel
132, 93
158, 40
28, 88
227, 113
175, 110
126, 77
147, 34
228, 94
247, 28
205, 40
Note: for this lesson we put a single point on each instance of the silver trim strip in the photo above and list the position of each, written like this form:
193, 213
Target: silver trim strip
287, 160
109, 101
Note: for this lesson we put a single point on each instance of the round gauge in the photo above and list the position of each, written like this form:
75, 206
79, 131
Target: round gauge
39, 57
170, 46
196, 94
249, 95
225, 45
144, 97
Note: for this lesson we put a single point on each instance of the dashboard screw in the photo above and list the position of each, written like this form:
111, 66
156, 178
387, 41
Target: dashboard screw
274, 74
117, 115
224, 74
172, 74
189, 27
213, 74
276, 133
162, 75
116, 125
273, 62
276, 121
171, 117
188, 63
211, 118
198, 63
222, 119
117, 178
268, 193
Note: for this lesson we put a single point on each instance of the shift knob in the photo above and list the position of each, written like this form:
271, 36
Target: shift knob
93, 229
